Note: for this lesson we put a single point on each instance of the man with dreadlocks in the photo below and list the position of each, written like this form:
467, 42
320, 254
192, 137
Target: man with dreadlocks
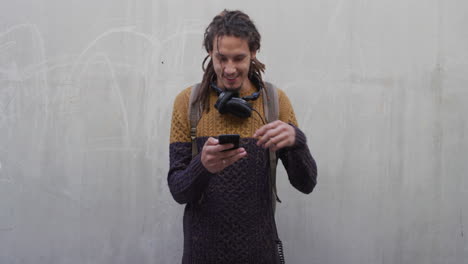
229, 217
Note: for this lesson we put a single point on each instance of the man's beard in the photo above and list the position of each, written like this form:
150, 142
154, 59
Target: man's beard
233, 89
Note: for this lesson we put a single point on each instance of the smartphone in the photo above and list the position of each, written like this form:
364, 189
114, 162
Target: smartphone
229, 138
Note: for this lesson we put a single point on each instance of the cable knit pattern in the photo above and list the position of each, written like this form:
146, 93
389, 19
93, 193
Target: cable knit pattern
228, 216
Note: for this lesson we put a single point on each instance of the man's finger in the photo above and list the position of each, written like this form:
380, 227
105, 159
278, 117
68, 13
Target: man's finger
276, 141
262, 130
239, 153
231, 153
268, 135
221, 155
280, 145
211, 141
222, 147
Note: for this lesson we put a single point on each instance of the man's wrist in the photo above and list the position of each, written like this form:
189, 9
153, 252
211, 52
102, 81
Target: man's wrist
300, 138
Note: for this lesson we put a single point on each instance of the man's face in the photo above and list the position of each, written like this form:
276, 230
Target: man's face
231, 60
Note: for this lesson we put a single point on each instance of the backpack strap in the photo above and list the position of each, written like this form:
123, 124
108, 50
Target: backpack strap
271, 109
194, 113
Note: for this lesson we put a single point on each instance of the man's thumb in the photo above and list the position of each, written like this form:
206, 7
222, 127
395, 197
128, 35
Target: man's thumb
211, 141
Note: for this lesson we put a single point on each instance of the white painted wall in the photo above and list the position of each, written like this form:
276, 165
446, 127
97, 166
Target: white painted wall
379, 87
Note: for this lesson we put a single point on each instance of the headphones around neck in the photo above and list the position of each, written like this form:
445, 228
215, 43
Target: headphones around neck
230, 102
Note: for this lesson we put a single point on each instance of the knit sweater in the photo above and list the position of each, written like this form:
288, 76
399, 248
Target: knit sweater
228, 216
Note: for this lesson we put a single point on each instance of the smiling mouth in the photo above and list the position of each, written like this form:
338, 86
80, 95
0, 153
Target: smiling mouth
230, 79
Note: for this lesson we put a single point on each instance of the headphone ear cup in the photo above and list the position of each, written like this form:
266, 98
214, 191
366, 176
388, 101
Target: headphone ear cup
221, 103
239, 107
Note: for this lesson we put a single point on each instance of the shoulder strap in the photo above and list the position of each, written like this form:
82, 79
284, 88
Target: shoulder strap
271, 109
271, 105
194, 113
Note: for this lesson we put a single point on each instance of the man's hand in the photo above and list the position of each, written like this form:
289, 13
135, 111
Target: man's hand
214, 160
276, 135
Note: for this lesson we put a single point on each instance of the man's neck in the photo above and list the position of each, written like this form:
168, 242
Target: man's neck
247, 86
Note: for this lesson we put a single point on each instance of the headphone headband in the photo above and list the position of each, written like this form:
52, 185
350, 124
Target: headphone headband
229, 102
251, 97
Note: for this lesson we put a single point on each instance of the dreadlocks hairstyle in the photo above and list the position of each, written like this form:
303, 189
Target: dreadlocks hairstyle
236, 24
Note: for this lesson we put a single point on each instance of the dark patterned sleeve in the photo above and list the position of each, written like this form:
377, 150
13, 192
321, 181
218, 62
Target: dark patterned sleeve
299, 164
187, 177
297, 160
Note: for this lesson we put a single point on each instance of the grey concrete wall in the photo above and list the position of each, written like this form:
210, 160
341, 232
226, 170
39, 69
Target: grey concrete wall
379, 87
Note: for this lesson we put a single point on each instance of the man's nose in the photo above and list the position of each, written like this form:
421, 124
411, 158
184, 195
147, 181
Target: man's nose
229, 68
